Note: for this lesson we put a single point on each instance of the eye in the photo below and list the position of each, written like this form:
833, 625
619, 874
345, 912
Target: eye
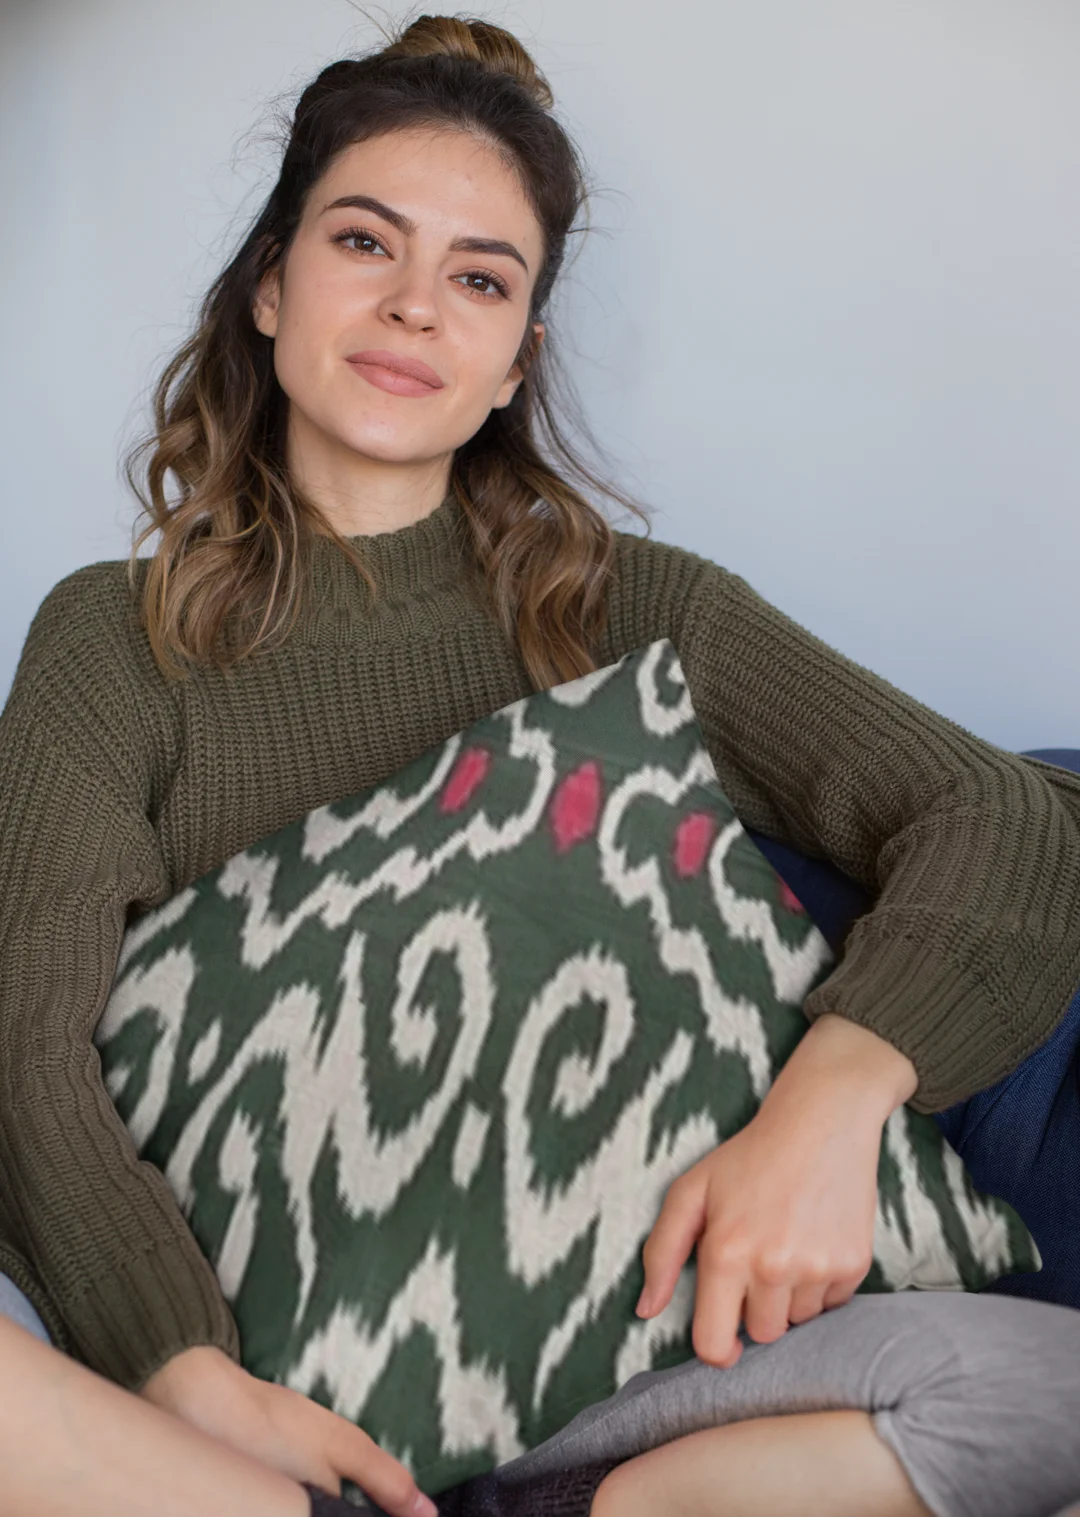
361, 234
488, 278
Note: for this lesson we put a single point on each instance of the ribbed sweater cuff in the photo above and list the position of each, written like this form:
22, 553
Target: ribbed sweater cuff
962, 1028
129, 1324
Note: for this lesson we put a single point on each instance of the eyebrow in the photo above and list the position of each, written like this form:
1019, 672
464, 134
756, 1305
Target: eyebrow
407, 226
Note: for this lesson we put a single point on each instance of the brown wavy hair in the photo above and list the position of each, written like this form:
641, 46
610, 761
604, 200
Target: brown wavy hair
233, 537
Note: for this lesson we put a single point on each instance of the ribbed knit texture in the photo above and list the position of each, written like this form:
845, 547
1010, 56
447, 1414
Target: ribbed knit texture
118, 789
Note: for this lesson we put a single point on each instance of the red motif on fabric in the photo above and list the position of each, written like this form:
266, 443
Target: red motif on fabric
469, 771
575, 806
693, 838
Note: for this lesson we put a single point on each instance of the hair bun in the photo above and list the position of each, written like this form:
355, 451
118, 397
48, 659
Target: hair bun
482, 41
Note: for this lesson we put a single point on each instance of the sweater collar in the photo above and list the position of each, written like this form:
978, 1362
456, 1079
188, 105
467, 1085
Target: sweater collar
404, 561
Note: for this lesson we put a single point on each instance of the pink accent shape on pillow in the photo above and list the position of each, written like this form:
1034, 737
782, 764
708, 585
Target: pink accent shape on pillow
466, 774
576, 806
693, 837
788, 898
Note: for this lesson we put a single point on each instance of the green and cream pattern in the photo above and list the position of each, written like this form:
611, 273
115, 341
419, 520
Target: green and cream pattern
421, 1066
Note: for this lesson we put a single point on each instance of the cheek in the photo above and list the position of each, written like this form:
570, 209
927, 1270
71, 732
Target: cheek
484, 359
294, 356
316, 314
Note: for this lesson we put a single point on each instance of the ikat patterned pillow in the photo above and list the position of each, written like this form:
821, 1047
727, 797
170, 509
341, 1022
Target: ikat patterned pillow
421, 1066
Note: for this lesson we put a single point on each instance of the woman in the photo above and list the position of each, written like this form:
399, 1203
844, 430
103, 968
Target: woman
368, 551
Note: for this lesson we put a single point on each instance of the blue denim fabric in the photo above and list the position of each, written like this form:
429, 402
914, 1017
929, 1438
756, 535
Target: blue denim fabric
832, 900
1021, 1141
1021, 1138
14, 1304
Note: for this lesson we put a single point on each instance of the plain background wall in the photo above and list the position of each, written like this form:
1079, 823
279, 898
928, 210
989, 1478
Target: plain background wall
827, 325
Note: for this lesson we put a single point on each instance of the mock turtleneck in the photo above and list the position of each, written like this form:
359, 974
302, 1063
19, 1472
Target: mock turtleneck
421, 554
421, 573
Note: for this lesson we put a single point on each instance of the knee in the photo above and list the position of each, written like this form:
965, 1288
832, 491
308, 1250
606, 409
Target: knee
985, 1403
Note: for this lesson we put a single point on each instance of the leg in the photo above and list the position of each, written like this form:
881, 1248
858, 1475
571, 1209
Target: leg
832, 1463
73, 1442
976, 1396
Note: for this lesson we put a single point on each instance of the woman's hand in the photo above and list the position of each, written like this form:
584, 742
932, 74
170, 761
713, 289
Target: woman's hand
783, 1212
282, 1428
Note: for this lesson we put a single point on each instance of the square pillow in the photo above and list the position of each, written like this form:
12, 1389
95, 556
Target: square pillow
421, 1066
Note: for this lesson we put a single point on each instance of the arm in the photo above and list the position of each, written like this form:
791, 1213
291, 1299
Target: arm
72, 1441
88, 741
965, 964
138, 1300
97, 1225
971, 954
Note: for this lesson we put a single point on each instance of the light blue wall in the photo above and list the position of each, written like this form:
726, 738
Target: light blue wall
828, 323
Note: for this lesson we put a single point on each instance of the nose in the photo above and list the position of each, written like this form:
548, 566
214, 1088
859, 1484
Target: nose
411, 302
416, 326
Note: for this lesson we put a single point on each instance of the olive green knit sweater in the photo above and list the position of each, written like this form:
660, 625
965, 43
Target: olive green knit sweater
117, 789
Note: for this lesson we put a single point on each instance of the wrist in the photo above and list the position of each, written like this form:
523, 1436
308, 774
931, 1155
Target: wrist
187, 1376
839, 1060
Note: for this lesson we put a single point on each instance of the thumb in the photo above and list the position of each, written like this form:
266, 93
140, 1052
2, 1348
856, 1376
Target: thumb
668, 1246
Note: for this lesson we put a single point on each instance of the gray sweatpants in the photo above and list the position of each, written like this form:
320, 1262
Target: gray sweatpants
977, 1395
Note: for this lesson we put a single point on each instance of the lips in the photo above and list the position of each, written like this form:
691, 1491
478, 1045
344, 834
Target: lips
397, 363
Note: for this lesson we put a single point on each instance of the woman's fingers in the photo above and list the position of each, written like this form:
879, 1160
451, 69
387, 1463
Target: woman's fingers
330, 1447
359, 1458
767, 1311
718, 1307
783, 1223
717, 1314
807, 1301
668, 1246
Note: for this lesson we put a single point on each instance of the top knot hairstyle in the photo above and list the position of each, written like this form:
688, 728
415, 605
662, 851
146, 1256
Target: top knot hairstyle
233, 538
478, 41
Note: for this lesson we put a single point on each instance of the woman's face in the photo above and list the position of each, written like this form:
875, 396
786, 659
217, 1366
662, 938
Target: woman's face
386, 275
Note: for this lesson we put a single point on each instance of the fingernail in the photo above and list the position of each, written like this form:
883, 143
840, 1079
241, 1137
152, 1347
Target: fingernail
423, 1506
644, 1305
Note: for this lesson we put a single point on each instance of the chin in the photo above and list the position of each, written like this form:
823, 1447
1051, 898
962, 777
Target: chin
382, 439
388, 450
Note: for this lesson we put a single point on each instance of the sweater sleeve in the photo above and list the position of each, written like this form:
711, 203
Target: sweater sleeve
971, 953
99, 1227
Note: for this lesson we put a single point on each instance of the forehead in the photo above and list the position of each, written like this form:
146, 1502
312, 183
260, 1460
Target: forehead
440, 178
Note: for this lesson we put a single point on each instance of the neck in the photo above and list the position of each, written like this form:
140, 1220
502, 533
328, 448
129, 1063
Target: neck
358, 495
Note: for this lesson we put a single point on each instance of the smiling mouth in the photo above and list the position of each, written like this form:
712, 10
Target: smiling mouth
397, 363
393, 381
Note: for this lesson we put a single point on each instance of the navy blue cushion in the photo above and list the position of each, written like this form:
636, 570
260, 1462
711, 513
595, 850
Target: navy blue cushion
1064, 758
833, 900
